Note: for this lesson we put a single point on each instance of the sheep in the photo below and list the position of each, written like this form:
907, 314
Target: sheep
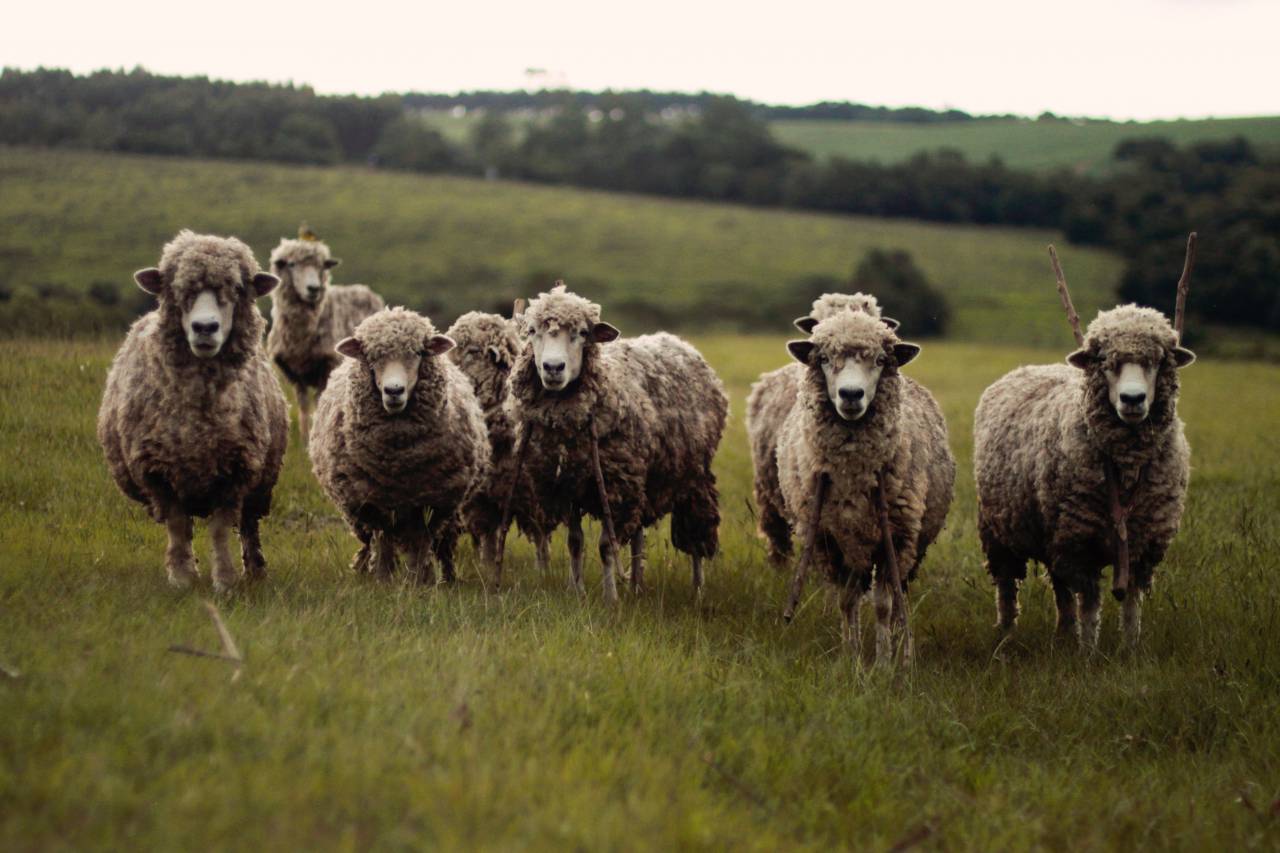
487, 346
772, 398
309, 315
193, 421
863, 452
1086, 464
398, 433
643, 416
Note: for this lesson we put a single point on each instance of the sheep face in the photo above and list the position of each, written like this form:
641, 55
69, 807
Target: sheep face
1129, 346
558, 350
852, 351
206, 296
207, 322
392, 346
303, 266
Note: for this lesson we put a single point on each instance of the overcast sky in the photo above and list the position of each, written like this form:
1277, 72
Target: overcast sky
1120, 58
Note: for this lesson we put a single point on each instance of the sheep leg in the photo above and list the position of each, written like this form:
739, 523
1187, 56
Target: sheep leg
221, 523
609, 558
179, 561
442, 533
850, 604
1065, 598
303, 395
255, 565
637, 560
1131, 616
421, 566
611, 541
1090, 615
576, 546
526, 433
697, 574
542, 551
883, 600
386, 555
1005, 570
360, 563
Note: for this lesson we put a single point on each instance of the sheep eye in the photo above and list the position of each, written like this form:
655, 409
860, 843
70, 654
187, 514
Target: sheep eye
823, 360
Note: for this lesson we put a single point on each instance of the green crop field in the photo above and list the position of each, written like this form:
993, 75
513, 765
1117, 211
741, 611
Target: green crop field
449, 245
1022, 144
386, 716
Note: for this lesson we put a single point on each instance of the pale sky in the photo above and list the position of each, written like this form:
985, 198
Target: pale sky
1120, 58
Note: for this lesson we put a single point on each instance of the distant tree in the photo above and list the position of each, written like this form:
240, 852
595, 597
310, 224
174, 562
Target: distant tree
903, 291
408, 143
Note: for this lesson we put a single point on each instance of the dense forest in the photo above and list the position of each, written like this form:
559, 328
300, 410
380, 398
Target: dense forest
701, 146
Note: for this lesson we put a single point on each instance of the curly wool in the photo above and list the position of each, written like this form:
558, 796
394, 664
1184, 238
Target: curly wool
902, 434
659, 411
376, 466
771, 399
487, 348
1041, 435
188, 433
303, 335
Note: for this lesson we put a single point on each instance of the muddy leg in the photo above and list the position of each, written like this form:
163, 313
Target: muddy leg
221, 523
385, 549
255, 565
1068, 616
1090, 615
576, 544
609, 558
179, 561
360, 563
637, 560
850, 604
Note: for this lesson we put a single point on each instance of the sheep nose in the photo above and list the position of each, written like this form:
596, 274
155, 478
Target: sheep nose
851, 395
208, 327
1133, 399
313, 289
553, 366
393, 390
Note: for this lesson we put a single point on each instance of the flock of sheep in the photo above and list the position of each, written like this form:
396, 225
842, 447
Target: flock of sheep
419, 436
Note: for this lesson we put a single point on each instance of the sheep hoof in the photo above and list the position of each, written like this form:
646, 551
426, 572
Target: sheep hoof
223, 586
182, 579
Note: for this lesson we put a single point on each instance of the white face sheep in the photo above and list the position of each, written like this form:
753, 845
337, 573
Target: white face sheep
309, 316
648, 410
771, 399
1083, 466
866, 482
399, 443
192, 420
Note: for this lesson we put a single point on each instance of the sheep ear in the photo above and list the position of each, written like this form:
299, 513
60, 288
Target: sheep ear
1183, 356
263, 283
904, 353
332, 262
891, 323
351, 348
805, 324
800, 350
439, 344
1081, 358
150, 280
602, 333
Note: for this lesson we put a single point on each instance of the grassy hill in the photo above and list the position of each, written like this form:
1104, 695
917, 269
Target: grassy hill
385, 716
1024, 144
449, 244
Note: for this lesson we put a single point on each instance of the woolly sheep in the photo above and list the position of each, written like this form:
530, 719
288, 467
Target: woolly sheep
309, 315
193, 422
771, 400
1043, 436
487, 346
398, 433
658, 410
857, 419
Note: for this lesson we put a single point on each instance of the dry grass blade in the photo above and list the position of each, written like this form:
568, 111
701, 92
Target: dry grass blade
228, 642
1184, 285
1065, 295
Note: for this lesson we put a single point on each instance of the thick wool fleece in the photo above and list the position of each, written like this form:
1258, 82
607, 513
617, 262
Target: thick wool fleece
659, 410
380, 468
771, 400
302, 337
187, 434
487, 348
903, 434
830, 304
1040, 437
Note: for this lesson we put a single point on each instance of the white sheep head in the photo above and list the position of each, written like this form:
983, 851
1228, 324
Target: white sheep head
393, 345
562, 328
852, 350
303, 265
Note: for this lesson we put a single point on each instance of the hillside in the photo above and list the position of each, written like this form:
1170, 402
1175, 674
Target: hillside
448, 244
1021, 143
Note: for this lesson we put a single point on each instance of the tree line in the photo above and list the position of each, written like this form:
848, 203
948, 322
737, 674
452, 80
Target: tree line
718, 148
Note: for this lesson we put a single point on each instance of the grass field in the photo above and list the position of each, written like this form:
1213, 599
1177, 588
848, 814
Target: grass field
388, 716
1022, 144
449, 245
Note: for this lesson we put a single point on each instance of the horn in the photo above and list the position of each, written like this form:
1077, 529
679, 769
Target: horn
1072, 317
